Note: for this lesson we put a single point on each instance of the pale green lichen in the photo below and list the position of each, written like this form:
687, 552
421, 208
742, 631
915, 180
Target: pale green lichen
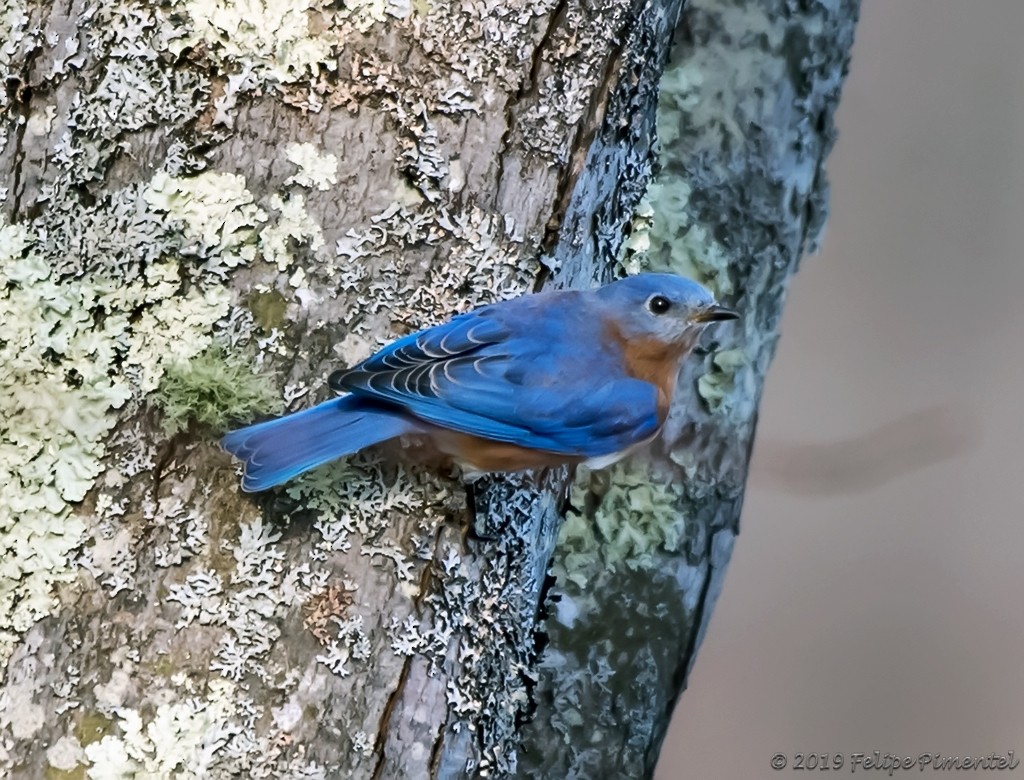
58, 384
633, 252
155, 340
316, 170
217, 215
192, 733
296, 224
718, 385
628, 521
78, 345
283, 40
214, 390
271, 36
705, 89
222, 224
679, 245
53, 416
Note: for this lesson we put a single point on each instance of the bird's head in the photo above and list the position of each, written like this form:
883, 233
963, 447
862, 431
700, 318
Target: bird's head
663, 308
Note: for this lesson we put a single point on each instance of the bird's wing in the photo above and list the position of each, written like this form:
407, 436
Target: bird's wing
518, 381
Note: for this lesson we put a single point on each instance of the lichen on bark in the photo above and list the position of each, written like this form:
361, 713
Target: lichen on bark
294, 188
745, 123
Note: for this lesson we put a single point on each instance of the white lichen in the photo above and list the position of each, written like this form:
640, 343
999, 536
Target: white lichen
406, 638
636, 519
280, 40
319, 171
273, 37
294, 224
180, 739
201, 598
65, 754
218, 216
53, 417
350, 644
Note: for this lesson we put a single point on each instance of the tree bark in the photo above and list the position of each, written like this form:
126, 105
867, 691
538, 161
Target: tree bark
745, 124
207, 206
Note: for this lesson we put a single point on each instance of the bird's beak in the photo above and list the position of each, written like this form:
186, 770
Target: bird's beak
716, 313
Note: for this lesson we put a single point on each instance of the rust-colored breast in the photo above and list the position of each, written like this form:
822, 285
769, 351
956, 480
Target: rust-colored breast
652, 361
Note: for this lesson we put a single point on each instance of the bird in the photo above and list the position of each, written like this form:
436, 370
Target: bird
546, 379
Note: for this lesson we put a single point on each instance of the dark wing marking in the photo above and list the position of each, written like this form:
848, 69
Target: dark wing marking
408, 366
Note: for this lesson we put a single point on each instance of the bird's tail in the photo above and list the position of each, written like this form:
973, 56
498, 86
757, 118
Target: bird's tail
278, 450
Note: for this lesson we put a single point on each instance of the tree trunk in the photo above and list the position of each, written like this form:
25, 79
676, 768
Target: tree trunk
207, 207
745, 123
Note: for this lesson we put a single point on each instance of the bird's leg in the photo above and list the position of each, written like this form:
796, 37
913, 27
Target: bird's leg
554, 478
480, 525
565, 505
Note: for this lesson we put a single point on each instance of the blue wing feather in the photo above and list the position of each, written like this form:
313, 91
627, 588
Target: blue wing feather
514, 374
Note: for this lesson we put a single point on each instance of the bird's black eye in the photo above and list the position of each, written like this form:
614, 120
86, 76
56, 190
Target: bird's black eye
659, 304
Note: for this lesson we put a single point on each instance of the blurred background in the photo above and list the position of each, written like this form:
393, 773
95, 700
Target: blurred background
874, 600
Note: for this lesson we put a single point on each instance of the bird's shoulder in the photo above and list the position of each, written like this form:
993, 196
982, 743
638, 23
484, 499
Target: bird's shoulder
542, 327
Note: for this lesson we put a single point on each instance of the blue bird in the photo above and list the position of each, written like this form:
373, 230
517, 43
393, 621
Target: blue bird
547, 379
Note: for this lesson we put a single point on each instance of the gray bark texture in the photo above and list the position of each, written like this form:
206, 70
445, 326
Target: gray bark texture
208, 205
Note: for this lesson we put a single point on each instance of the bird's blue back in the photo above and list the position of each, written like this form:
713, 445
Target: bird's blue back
537, 372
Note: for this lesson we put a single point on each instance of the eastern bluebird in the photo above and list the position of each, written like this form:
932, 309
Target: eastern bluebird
547, 379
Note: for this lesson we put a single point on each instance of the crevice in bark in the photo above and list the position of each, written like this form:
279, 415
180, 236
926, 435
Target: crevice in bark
385, 720
556, 18
528, 87
426, 577
682, 669
585, 134
19, 93
436, 750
